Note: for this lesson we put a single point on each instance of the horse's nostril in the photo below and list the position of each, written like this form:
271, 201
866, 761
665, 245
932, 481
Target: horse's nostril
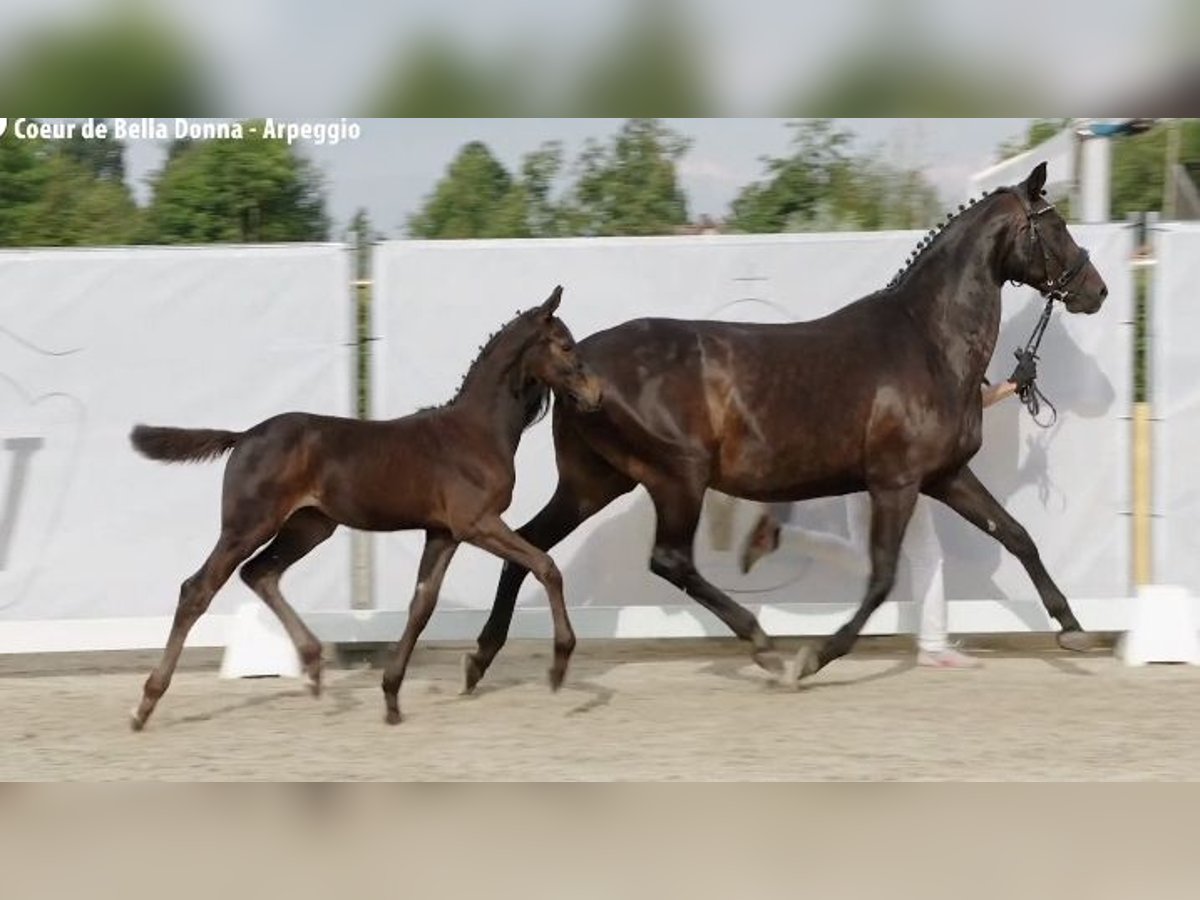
1103, 292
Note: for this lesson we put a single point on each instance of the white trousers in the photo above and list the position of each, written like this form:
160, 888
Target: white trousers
921, 548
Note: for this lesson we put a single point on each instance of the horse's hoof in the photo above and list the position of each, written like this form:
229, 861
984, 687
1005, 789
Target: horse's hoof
557, 676
472, 672
136, 722
770, 661
807, 663
790, 676
392, 717
314, 666
1077, 641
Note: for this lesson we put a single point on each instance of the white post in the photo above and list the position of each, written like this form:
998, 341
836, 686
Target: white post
1095, 181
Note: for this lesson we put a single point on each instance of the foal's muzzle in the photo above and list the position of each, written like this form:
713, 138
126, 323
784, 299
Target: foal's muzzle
585, 389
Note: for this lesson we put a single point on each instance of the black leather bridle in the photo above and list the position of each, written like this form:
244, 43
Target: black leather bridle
1059, 288
1052, 289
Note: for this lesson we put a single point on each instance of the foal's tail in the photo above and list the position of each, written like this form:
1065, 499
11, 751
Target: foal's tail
182, 444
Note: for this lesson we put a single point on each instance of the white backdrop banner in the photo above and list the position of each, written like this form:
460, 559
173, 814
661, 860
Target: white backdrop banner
436, 302
94, 341
1175, 387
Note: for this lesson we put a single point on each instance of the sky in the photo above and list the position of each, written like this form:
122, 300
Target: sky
395, 163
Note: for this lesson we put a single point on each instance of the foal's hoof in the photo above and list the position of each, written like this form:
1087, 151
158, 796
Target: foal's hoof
1077, 641
314, 682
557, 676
136, 722
472, 672
806, 663
313, 668
392, 717
771, 661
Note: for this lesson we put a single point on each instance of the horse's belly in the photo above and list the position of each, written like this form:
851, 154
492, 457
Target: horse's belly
789, 472
789, 457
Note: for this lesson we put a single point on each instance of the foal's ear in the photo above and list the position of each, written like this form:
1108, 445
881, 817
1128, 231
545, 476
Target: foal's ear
1036, 181
547, 309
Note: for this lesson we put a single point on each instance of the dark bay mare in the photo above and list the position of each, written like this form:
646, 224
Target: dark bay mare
292, 479
882, 395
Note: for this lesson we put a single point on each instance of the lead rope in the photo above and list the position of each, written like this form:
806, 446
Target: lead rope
1029, 394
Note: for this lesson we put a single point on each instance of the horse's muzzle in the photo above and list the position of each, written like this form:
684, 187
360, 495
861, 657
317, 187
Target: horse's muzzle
587, 392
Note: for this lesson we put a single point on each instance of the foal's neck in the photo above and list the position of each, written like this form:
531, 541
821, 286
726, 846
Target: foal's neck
490, 393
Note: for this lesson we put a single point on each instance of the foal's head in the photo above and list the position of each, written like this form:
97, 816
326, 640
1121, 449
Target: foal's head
1045, 256
549, 359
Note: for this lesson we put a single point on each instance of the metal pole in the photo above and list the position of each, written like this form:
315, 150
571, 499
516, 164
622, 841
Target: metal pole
1143, 569
362, 544
1142, 443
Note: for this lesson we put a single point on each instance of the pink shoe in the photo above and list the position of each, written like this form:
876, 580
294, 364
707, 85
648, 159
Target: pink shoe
947, 659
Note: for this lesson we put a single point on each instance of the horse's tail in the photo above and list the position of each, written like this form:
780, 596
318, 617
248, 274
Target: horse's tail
182, 444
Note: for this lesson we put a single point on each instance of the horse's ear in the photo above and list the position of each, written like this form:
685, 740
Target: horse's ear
548, 308
1036, 182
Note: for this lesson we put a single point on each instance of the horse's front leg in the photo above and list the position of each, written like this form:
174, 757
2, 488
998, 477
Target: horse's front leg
966, 495
439, 550
677, 505
891, 508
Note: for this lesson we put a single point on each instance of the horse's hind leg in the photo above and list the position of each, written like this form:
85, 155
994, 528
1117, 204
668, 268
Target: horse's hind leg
678, 511
304, 530
964, 494
890, 511
194, 597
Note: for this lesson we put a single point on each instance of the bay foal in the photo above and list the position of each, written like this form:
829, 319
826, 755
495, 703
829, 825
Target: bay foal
292, 479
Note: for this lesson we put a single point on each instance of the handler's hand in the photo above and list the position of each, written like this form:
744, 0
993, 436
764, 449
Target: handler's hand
1025, 373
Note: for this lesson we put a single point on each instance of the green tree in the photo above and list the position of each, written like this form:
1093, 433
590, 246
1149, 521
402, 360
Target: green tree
539, 170
102, 157
821, 186
77, 208
1039, 130
796, 184
228, 190
874, 196
626, 186
1139, 166
629, 186
464, 202
479, 198
22, 176
50, 198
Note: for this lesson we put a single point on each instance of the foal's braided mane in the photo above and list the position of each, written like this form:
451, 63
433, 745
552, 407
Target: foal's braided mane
485, 350
538, 400
933, 235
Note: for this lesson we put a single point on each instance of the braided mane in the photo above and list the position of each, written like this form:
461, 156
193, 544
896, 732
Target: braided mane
933, 235
535, 397
485, 350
